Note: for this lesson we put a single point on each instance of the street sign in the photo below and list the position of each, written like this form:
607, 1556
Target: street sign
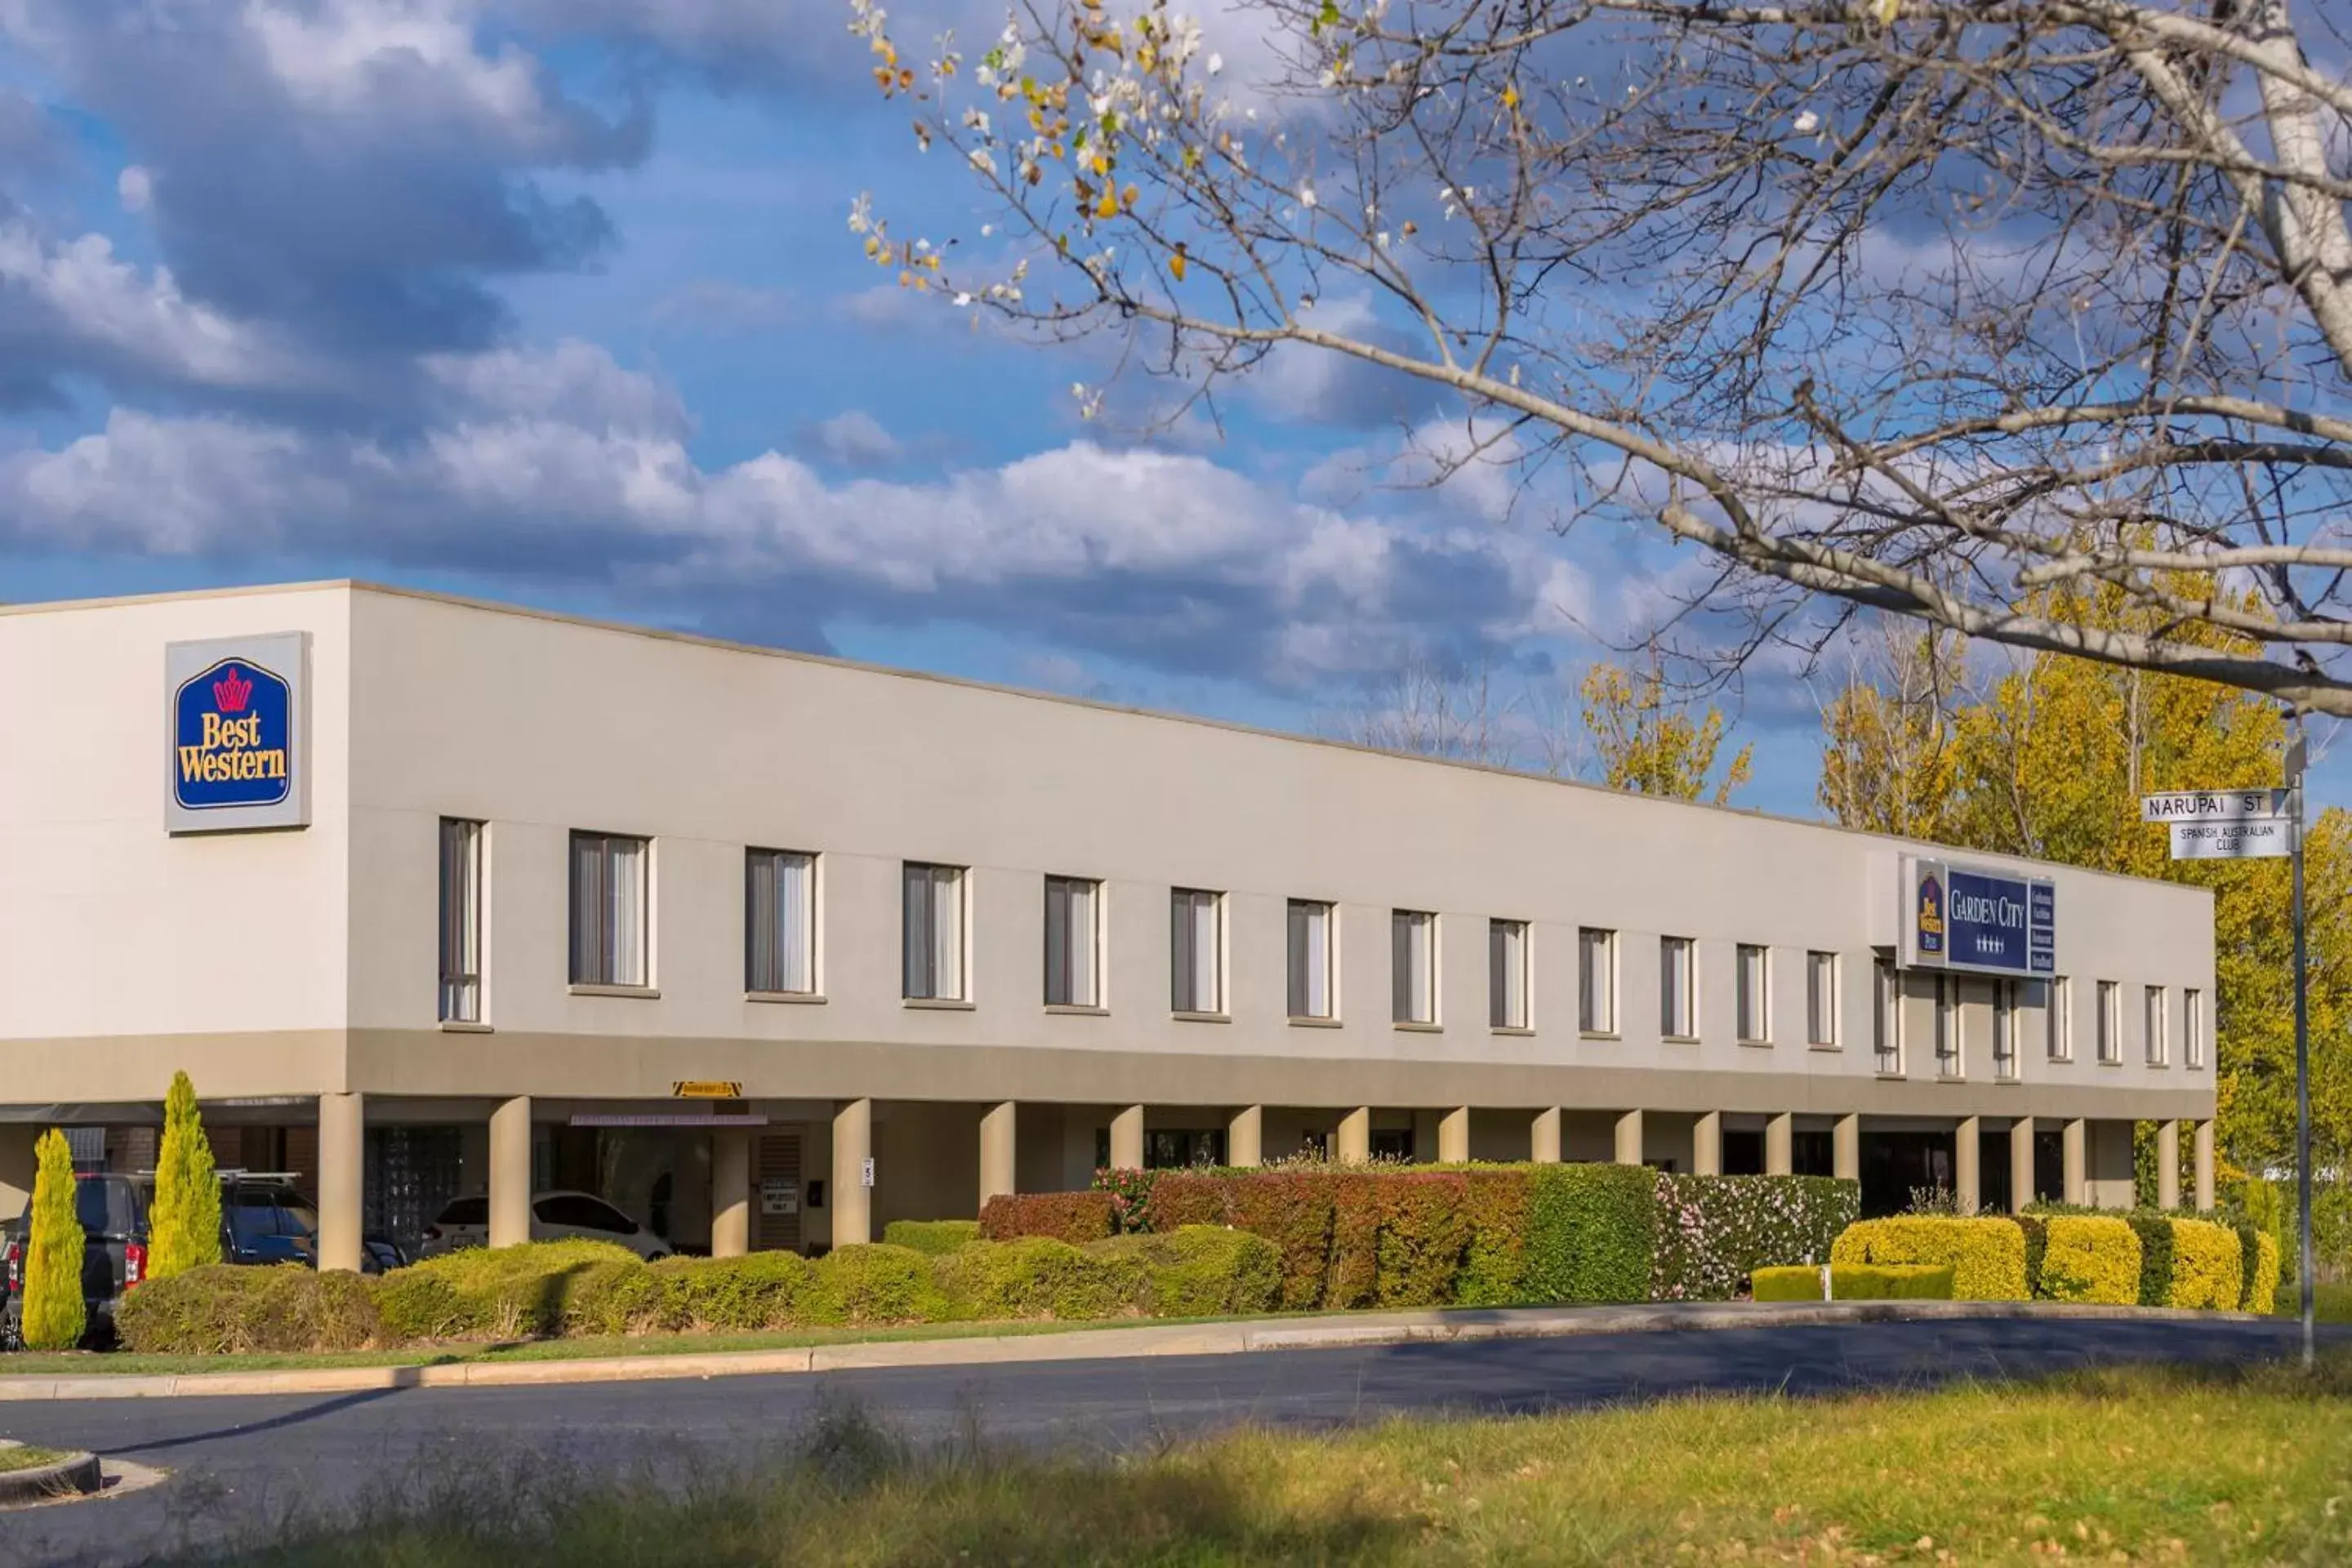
2261, 839
2213, 805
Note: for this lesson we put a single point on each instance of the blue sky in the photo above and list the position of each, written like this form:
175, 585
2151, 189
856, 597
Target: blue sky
553, 300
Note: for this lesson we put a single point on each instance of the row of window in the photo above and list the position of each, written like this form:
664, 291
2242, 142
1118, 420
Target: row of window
610, 946
2054, 997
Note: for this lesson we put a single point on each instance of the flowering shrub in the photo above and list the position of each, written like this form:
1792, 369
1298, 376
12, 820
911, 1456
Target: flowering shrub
1130, 1192
1714, 1231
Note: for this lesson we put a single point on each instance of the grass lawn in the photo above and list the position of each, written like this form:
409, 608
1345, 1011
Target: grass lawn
2142, 1466
23, 1456
2330, 1303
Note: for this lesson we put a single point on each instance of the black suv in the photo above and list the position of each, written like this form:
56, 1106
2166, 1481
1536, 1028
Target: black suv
263, 1220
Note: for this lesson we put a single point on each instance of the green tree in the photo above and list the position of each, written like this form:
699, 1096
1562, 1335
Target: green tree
2049, 760
183, 1225
54, 1315
1651, 744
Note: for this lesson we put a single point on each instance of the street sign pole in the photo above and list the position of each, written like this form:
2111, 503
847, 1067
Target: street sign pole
2294, 764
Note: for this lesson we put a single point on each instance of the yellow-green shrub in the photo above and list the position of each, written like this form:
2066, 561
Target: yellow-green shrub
1987, 1256
2262, 1290
874, 1282
2208, 1268
2092, 1258
1040, 1277
1854, 1282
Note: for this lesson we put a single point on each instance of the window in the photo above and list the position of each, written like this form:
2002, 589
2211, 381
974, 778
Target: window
2058, 1019
1413, 973
2111, 1023
778, 923
1821, 999
933, 950
461, 922
1596, 980
1677, 986
608, 910
1196, 950
1752, 992
2004, 1029
2192, 1025
1310, 960
2157, 1027
1073, 942
1949, 1062
1887, 1016
1506, 974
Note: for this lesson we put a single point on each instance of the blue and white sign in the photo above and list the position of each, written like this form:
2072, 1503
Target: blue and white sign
236, 726
1989, 922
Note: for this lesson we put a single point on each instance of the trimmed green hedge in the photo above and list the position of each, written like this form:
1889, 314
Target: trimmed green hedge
930, 1236
1857, 1282
1593, 1233
1074, 1217
222, 1310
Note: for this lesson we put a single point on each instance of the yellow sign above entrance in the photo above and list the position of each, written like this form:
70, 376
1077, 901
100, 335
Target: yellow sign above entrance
706, 1089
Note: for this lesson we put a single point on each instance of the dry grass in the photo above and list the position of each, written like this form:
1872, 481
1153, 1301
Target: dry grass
2141, 1465
23, 1456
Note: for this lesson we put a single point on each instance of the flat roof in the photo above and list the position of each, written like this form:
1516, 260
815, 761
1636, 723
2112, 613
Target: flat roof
698, 640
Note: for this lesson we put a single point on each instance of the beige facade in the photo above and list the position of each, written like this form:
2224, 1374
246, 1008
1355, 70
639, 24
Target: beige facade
279, 966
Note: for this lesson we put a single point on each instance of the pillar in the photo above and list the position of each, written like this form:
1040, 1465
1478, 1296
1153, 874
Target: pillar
730, 1191
1845, 1148
998, 1129
1543, 1137
1780, 1145
1628, 1151
2077, 1139
1706, 1144
342, 1144
1968, 1149
1355, 1140
1245, 1137
1454, 1137
1127, 1140
2204, 1137
853, 1146
2020, 1164
16, 1166
511, 1172
2167, 1165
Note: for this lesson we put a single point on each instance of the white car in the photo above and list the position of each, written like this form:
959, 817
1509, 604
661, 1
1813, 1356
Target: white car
554, 1216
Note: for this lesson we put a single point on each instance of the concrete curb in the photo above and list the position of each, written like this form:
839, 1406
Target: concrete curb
74, 1474
1456, 1325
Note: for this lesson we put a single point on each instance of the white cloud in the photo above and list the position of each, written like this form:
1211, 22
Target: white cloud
856, 439
135, 188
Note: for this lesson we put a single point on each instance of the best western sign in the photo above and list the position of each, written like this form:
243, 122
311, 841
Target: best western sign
1978, 919
236, 738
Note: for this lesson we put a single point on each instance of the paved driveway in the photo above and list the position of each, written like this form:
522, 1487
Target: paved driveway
238, 1462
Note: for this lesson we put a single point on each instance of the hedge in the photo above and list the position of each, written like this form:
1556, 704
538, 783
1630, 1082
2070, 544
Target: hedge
2155, 1233
2208, 1266
221, 1309
482, 1293
1987, 1256
1074, 1217
2263, 1282
1038, 1277
2092, 1258
930, 1236
1591, 1234
1856, 1282
1201, 1271
1714, 1231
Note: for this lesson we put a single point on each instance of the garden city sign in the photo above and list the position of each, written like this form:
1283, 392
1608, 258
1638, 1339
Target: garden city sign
1978, 921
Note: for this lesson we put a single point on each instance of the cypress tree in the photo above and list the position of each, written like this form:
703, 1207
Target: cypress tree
183, 1226
54, 1313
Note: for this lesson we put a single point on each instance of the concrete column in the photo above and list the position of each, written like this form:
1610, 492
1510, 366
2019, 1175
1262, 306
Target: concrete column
2167, 1165
16, 1166
343, 1143
2077, 1185
998, 1128
1245, 1137
1845, 1149
853, 1200
511, 1172
1454, 1137
1127, 1140
1355, 1140
1967, 1179
2204, 1167
1543, 1137
1780, 1145
2020, 1164
1706, 1144
1628, 1151
730, 1191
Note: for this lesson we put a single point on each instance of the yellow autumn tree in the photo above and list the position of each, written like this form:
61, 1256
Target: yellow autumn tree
2050, 759
1886, 742
1648, 741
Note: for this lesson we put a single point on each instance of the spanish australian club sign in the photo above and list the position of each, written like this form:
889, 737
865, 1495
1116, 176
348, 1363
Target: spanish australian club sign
1980, 920
237, 733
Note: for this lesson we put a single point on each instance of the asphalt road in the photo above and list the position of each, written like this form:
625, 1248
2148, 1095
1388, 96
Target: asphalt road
238, 1464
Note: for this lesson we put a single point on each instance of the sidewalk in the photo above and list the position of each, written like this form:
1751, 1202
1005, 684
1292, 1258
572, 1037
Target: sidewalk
1355, 1330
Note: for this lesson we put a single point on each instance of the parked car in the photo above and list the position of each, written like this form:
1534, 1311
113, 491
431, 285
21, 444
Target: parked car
554, 1216
263, 1220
